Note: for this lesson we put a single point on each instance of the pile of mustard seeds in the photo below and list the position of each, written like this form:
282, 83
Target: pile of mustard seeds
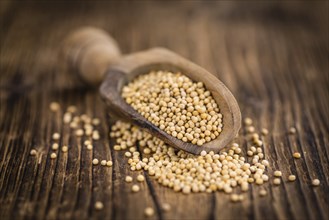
174, 103
184, 172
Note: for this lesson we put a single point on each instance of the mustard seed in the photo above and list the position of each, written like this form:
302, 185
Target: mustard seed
277, 181
56, 136
166, 207
64, 149
177, 105
248, 121
54, 146
128, 179
103, 162
95, 161
264, 131
135, 188
99, 205
277, 173
54, 106
33, 152
109, 163
71, 109
149, 212
53, 155
316, 182
297, 155
89, 147
291, 178
292, 130
262, 192
140, 178
79, 132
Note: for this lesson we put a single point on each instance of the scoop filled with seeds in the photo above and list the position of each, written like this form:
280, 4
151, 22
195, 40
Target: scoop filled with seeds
173, 99
170, 97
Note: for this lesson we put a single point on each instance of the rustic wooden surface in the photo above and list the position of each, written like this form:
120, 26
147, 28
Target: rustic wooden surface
273, 57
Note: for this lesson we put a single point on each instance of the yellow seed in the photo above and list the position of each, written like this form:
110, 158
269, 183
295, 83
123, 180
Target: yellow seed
166, 207
277, 173
140, 178
264, 131
103, 162
128, 179
292, 130
79, 132
33, 152
99, 205
248, 121
53, 155
109, 163
72, 109
262, 192
95, 161
316, 182
135, 188
56, 136
54, 146
277, 181
149, 211
54, 106
291, 178
64, 149
95, 121
89, 147
297, 155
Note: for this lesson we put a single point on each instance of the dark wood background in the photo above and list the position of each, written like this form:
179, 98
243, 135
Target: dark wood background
273, 56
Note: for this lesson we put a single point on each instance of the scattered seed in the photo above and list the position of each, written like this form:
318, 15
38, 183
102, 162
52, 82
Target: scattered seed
95, 161
292, 130
79, 132
128, 179
316, 182
99, 205
264, 131
103, 162
277, 173
65, 149
135, 188
149, 211
297, 155
291, 178
89, 147
56, 136
53, 155
277, 181
262, 192
95, 135
33, 152
95, 121
54, 146
128, 154
72, 109
109, 163
248, 121
166, 207
140, 178
235, 198
54, 106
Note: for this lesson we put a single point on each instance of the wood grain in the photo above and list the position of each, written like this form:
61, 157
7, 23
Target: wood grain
272, 56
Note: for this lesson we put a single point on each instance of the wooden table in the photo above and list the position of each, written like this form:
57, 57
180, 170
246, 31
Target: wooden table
273, 57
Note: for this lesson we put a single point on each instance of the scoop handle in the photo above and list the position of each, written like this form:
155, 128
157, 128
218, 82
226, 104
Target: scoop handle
89, 52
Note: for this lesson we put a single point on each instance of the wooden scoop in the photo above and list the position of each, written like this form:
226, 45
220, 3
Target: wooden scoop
103, 57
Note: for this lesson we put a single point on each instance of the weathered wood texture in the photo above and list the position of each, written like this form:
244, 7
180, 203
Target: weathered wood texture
272, 56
